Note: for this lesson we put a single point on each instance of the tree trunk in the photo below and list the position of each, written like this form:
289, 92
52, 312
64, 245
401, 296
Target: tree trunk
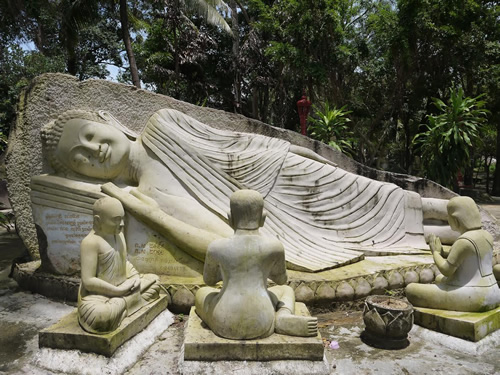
487, 170
235, 28
128, 44
71, 63
177, 64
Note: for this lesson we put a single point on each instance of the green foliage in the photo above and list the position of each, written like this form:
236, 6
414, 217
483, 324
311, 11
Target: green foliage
450, 135
17, 68
330, 125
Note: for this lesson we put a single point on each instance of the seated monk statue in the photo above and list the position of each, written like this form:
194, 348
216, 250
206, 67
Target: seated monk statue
111, 289
467, 282
245, 308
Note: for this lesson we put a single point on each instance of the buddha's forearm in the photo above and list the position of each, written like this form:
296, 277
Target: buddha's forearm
95, 285
188, 238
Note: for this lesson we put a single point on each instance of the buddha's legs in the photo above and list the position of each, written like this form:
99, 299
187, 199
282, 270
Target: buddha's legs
99, 314
286, 323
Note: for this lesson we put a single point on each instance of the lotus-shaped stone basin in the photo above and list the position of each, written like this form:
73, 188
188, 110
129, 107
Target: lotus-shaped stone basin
388, 321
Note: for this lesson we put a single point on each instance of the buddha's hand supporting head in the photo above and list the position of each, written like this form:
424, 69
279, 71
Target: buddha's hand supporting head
108, 216
84, 143
247, 210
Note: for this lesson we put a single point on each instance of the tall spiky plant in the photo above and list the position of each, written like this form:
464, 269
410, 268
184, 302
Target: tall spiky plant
447, 142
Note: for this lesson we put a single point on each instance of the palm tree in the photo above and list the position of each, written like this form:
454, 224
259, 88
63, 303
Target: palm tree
128, 44
208, 9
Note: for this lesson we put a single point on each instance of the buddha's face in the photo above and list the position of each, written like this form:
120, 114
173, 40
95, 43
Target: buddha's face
93, 149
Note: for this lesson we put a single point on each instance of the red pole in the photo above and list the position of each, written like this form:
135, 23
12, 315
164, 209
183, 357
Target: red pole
303, 106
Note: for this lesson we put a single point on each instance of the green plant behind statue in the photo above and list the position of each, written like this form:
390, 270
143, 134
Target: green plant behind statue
449, 137
330, 125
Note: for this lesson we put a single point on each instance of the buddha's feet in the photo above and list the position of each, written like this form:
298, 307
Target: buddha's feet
292, 325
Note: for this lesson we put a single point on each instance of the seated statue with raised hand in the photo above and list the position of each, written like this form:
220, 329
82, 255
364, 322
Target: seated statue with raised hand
467, 282
245, 308
111, 288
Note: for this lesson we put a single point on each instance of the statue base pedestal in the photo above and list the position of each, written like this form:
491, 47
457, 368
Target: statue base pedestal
464, 325
201, 344
67, 333
204, 352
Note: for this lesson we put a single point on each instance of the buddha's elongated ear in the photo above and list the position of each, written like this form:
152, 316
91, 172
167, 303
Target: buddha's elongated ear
230, 220
111, 120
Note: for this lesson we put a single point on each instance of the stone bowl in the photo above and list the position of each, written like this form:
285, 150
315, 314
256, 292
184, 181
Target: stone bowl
387, 322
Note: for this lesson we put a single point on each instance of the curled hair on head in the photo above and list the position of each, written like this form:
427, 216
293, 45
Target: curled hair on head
51, 134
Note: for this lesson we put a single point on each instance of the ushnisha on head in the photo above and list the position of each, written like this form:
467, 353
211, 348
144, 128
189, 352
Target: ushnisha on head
87, 143
247, 210
463, 214
108, 216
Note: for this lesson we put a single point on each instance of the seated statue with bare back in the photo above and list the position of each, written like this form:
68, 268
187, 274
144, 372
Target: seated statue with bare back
111, 288
245, 308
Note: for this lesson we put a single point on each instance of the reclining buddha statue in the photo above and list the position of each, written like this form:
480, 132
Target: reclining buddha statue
182, 172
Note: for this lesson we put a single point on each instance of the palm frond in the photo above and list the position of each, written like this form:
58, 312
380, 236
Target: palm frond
208, 10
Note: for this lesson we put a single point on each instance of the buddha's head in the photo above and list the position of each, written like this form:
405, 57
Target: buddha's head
86, 143
108, 216
463, 214
247, 210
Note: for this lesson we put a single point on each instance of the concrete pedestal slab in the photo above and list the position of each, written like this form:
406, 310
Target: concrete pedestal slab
201, 344
67, 333
464, 325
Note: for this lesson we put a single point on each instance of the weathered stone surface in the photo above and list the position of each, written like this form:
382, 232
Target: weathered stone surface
182, 300
467, 326
395, 280
201, 344
285, 367
67, 333
29, 276
411, 277
344, 292
373, 269
380, 285
324, 293
59, 361
426, 276
304, 294
363, 288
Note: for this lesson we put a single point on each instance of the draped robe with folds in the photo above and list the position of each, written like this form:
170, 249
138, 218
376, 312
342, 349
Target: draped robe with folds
324, 216
100, 314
